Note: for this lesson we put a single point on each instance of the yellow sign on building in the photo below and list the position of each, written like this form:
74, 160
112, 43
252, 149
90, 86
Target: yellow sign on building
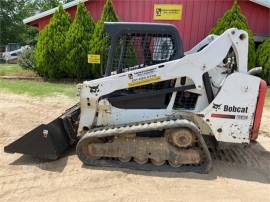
93, 59
168, 11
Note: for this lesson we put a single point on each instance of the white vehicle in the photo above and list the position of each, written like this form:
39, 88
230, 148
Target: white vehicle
13, 55
161, 108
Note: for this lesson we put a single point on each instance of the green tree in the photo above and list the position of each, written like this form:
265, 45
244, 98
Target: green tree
44, 5
12, 29
50, 50
12, 13
263, 59
77, 44
100, 40
234, 18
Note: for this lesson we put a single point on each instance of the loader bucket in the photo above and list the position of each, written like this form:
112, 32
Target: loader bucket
48, 141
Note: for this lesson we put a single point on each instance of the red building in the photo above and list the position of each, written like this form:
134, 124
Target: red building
194, 21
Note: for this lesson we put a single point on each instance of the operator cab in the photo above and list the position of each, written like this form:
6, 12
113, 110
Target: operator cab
137, 45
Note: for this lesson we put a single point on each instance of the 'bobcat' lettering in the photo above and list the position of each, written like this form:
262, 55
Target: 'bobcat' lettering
233, 108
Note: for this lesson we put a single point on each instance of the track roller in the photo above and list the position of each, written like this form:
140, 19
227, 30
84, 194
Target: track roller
181, 145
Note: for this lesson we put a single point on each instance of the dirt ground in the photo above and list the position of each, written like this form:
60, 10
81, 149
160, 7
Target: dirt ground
23, 178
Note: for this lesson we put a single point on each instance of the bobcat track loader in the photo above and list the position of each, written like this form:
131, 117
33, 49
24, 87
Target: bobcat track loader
158, 108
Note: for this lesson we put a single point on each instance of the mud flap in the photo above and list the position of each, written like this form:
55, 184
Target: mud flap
49, 141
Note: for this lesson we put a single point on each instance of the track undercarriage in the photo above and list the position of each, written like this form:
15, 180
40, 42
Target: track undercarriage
178, 146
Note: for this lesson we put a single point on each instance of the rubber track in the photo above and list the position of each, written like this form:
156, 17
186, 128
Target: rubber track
158, 124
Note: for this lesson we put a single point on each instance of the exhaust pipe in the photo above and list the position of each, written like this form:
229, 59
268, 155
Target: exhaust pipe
49, 141
256, 71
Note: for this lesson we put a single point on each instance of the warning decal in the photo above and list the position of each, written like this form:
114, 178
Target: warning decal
168, 11
143, 78
93, 59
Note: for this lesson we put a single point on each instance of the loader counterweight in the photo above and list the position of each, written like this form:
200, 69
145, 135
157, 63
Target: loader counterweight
259, 110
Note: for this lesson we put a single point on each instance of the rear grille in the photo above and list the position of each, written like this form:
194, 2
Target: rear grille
185, 100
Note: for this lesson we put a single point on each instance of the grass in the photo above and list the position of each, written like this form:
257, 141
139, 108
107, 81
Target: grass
29, 87
14, 70
38, 88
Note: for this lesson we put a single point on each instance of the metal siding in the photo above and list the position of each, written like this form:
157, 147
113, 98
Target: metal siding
72, 11
203, 18
140, 12
209, 20
198, 16
186, 36
43, 22
258, 17
95, 7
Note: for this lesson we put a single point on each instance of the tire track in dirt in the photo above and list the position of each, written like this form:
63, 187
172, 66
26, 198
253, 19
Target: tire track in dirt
23, 178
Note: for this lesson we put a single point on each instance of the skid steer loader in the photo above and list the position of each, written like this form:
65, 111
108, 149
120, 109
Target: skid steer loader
158, 108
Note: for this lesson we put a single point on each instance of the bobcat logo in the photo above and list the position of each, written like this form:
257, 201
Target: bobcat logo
216, 106
158, 11
130, 76
94, 89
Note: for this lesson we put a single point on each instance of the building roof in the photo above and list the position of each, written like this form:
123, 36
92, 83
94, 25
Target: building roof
265, 3
51, 11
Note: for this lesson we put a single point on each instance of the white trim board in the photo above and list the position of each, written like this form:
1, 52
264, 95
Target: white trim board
265, 3
51, 11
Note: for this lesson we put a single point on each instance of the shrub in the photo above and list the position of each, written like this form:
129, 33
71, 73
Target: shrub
50, 50
77, 44
263, 59
100, 39
234, 18
26, 58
